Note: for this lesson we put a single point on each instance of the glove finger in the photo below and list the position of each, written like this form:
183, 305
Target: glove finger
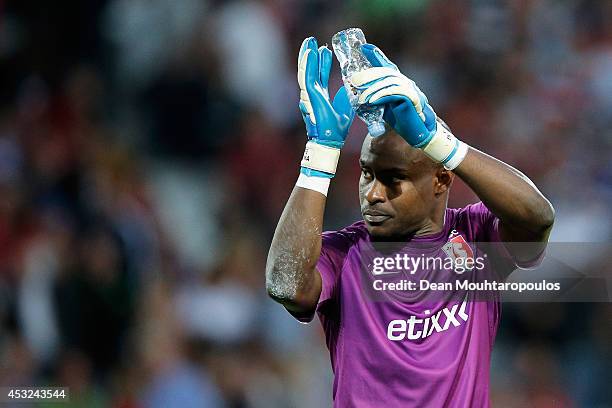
366, 77
341, 104
389, 116
430, 117
395, 99
303, 49
376, 57
308, 63
325, 63
411, 124
396, 91
302, 59
318, 96
375, 87
308, 67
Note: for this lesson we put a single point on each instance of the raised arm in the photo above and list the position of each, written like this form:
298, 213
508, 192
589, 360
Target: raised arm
291, 275
525, 214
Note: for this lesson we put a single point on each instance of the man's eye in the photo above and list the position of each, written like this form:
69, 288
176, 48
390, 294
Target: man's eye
399, 177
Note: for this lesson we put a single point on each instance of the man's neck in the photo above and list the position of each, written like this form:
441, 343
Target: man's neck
435, 222
430, 227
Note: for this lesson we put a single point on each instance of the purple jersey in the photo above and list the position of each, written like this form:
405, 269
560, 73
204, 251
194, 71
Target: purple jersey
390, 352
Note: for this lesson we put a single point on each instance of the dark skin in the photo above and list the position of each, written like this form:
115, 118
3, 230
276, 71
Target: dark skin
403, 194
401, 191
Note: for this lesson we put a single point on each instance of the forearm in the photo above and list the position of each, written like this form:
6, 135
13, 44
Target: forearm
508, 193
291, 275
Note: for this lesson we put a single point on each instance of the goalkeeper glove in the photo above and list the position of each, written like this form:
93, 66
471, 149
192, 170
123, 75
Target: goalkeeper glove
407, 109
327, 122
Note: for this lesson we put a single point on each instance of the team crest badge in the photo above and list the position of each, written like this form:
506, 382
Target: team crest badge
458, 249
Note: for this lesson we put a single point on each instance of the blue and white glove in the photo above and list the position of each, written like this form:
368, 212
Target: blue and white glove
407, 109
327, 122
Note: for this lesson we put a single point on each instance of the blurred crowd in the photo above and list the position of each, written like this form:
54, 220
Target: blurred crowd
147, 148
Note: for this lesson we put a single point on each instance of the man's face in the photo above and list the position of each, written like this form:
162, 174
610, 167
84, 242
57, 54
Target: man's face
397, 187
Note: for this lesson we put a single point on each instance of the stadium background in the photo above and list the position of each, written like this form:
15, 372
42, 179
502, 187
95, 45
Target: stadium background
147, 148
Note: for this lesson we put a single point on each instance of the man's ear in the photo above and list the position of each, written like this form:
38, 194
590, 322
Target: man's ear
442, 180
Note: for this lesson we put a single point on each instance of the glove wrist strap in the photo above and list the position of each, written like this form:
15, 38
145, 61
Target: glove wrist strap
320, 184
320, 157
445, 148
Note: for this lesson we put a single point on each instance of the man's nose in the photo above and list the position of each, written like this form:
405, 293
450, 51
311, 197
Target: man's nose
377, 193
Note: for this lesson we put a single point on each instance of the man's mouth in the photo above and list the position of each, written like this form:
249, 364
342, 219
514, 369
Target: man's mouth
375, 217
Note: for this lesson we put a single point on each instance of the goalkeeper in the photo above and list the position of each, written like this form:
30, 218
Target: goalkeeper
395, 354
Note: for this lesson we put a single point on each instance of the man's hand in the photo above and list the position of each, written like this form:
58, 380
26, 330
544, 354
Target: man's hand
407, 109
327, 122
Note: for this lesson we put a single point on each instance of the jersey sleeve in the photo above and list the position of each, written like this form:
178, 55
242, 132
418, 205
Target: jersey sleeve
485, 228
334, 248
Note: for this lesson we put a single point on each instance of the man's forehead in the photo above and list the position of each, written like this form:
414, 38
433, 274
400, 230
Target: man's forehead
390, 150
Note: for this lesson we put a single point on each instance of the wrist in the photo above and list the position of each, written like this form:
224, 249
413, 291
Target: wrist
313, 182
445, 148
320, 160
